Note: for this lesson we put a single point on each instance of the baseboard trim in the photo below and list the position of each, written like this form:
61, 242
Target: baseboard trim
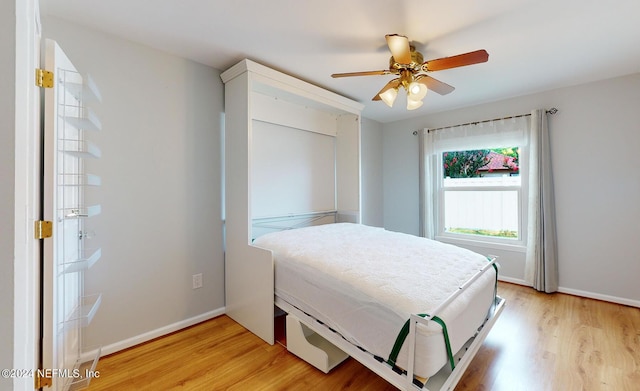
512, 280
577, 292
598, 296
138, 339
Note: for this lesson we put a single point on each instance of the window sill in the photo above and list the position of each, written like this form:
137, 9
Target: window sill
515, 247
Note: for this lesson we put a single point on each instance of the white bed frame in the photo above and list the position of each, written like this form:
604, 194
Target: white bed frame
310, 338
256, 93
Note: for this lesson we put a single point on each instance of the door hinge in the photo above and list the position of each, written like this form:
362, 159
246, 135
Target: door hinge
44, 78
43, 229
42, 382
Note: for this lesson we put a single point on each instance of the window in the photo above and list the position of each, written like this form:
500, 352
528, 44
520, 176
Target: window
474, 183
480, 194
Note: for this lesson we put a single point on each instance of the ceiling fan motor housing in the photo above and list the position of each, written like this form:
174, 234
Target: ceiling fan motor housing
414, 65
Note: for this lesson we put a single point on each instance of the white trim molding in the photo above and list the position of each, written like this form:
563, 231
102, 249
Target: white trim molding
599, 296
580, 293
512, 280
148, 336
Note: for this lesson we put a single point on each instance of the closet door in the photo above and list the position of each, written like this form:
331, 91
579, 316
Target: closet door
66, 310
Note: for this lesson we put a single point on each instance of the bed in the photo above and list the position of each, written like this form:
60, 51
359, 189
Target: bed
292, 153
363, 284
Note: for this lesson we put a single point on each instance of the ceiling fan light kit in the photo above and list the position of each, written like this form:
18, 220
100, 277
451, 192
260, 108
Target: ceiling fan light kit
409, 64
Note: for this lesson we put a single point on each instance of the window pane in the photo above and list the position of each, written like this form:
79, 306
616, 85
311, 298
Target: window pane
486, 213
481, 163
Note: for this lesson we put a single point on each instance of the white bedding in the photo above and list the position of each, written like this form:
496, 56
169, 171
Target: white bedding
364, 282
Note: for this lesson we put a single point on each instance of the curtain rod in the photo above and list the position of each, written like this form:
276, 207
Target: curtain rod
551, 111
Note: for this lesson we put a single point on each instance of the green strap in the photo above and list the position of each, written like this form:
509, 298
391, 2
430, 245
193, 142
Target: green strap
399, 341
446, 340
404, 332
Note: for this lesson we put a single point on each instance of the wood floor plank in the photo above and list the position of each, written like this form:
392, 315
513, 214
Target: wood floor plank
541, 342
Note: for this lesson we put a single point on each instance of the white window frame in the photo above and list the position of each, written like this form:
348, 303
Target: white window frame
510, 244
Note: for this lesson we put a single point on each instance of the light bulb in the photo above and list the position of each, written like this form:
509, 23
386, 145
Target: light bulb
417, 91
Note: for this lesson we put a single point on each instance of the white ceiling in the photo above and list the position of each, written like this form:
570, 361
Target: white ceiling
533, 45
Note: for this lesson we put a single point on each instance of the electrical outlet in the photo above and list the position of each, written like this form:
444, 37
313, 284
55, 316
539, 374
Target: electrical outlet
197, 280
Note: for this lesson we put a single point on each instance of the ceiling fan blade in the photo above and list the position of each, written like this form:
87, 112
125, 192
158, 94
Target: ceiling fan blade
399, 47
366, 73
395, 83
456, 61
435, 85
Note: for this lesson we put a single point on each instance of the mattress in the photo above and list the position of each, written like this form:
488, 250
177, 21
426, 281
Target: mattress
364, 282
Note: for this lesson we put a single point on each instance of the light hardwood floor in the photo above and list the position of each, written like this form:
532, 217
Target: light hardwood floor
541, 342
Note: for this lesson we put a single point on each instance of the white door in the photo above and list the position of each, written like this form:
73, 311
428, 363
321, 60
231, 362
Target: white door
67, 255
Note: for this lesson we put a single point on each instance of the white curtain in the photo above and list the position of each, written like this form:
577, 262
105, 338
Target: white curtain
427, 184
541, 265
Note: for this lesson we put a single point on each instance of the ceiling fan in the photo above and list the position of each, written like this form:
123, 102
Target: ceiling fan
408, 64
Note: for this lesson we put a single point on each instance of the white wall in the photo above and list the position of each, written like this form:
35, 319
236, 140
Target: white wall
161, 186
400, 173
371, 173
7, 186
595, 140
